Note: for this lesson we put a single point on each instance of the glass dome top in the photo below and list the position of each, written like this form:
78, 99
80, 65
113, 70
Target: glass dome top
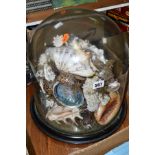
81, 72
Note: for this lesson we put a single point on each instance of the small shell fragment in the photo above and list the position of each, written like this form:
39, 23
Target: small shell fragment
105, 100
114, 86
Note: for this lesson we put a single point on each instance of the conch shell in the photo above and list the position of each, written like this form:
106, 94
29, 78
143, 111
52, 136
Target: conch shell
71, 60
60, 113
106, 113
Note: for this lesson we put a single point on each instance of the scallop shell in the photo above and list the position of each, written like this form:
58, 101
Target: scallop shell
71, 60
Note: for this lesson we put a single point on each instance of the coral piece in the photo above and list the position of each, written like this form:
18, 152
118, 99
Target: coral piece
97, 53
43, 59
58, 41
49, 103
91, 96
46, 72
65, 37
86, 46
107, 73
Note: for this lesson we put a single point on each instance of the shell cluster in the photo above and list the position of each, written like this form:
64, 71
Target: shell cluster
67, 72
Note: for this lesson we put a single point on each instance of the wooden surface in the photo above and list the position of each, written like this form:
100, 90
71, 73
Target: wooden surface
40, 144
41, 15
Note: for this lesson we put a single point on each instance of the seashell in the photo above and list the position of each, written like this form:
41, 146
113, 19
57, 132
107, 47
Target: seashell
105, 100
105, 113
60, 113
71, 60
100, 111
91, 96
49, 103
48, 73
67, 96
40, 73
47, 86
46, 101
43, 59
41, 83
102, 106
114, 86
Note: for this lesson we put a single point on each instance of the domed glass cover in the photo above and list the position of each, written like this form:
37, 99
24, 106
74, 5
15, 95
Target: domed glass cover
80, 62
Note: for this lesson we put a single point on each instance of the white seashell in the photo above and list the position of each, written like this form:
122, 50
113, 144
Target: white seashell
42, 85
114, 86
48, 73
49, 103
40, 73
58, 41
59, 113
43, 59
71, 60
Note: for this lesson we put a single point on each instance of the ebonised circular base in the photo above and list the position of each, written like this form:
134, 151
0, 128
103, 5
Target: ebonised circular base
112, 127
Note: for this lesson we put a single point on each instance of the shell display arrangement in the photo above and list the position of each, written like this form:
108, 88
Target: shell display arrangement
77, 83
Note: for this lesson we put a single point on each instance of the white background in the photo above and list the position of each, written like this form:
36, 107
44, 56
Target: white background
13, 71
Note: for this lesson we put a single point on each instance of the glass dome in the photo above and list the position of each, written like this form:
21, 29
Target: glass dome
80, 60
